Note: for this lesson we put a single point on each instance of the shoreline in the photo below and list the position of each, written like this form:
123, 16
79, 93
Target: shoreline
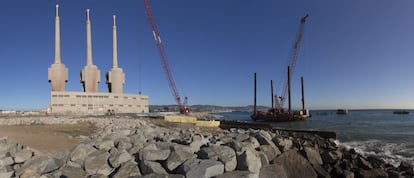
152, 147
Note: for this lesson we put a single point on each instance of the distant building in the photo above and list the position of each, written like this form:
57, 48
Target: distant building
90, 101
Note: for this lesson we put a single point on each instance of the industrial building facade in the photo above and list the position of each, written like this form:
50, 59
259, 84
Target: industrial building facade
90, 101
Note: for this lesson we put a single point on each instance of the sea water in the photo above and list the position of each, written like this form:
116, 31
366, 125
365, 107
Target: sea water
370, 132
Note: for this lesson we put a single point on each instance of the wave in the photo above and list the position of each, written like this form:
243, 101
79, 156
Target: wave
391, 153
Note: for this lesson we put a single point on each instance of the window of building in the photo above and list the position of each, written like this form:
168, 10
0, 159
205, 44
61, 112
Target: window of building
121, 105
67, 96
105, 96
54, 95
78, 96
111, 105
60, 104
125, 97
89, 96
54, 104
129, 105
72, 105
115, 96
134, 98
84, 105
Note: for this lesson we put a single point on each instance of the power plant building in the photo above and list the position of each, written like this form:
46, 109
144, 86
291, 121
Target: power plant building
90, 101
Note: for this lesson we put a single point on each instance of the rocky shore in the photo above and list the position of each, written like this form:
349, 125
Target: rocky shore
128, 147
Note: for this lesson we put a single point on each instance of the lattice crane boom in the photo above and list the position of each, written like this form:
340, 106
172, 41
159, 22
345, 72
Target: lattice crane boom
163, 55
292, 60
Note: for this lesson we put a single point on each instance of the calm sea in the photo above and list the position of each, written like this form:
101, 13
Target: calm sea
370, 132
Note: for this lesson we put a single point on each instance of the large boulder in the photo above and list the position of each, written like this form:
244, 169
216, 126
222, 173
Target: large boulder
148, 167
284, 144
295, 165
373, 173
237, 174
23, 155
272, 170
105, 144
197, 168
270, 151
313, 156
118, 157
158, 175
154, 155
179, 154
6, 161
29, 168
72, 172
81, 151
127, 169
97, 163
331, 156
49, 165
224, 154
249, 160
6, 174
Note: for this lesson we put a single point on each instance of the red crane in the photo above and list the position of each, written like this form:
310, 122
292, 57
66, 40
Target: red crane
292, 62
157, 39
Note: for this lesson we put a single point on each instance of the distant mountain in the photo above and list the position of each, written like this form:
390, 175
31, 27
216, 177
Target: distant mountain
206, 108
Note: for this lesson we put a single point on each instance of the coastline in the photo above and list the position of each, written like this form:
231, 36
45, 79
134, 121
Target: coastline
126, 146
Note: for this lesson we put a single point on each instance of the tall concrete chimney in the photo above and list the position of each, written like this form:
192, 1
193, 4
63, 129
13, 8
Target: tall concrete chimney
57, 72
115, 78
90, 75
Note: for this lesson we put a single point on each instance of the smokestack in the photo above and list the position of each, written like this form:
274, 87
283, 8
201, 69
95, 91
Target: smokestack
57, 36
90, 75
114, 45
88, 39
57, 72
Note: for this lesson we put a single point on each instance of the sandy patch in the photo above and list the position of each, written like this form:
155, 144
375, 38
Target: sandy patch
47, 139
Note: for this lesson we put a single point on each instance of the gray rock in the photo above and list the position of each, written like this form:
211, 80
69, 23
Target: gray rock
106, 144
179, 154
123, 143
224, 154
148, 167
253, 141
29, 167
8, 147
249, 160
270, 151
98, 176
295, 165
237, 174
63, 155
197, 142
118, 157
4, 169
373, 173
7, 161
313, 156
349, 174
320, 171
331, 156
7, 174
284, 144
197, 168
363, 163
272, 171
158, 175
263, 158
22, 156
407, 167
97, 163
72, 172
49, 165
127, 169
81, 151
154, 155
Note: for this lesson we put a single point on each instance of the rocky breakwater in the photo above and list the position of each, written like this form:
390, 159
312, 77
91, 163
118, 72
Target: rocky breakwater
147, 150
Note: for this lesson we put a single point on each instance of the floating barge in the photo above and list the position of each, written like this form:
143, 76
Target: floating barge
278, 114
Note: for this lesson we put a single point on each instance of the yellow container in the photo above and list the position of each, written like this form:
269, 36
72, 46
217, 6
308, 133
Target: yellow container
181, 119
208, 123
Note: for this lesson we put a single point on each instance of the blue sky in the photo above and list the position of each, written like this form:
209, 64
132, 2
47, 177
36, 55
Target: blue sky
354, 54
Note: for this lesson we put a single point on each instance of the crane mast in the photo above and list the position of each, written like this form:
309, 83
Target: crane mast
163, 55
292, 61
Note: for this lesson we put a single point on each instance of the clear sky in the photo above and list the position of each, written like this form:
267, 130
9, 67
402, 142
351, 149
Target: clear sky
354, 54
